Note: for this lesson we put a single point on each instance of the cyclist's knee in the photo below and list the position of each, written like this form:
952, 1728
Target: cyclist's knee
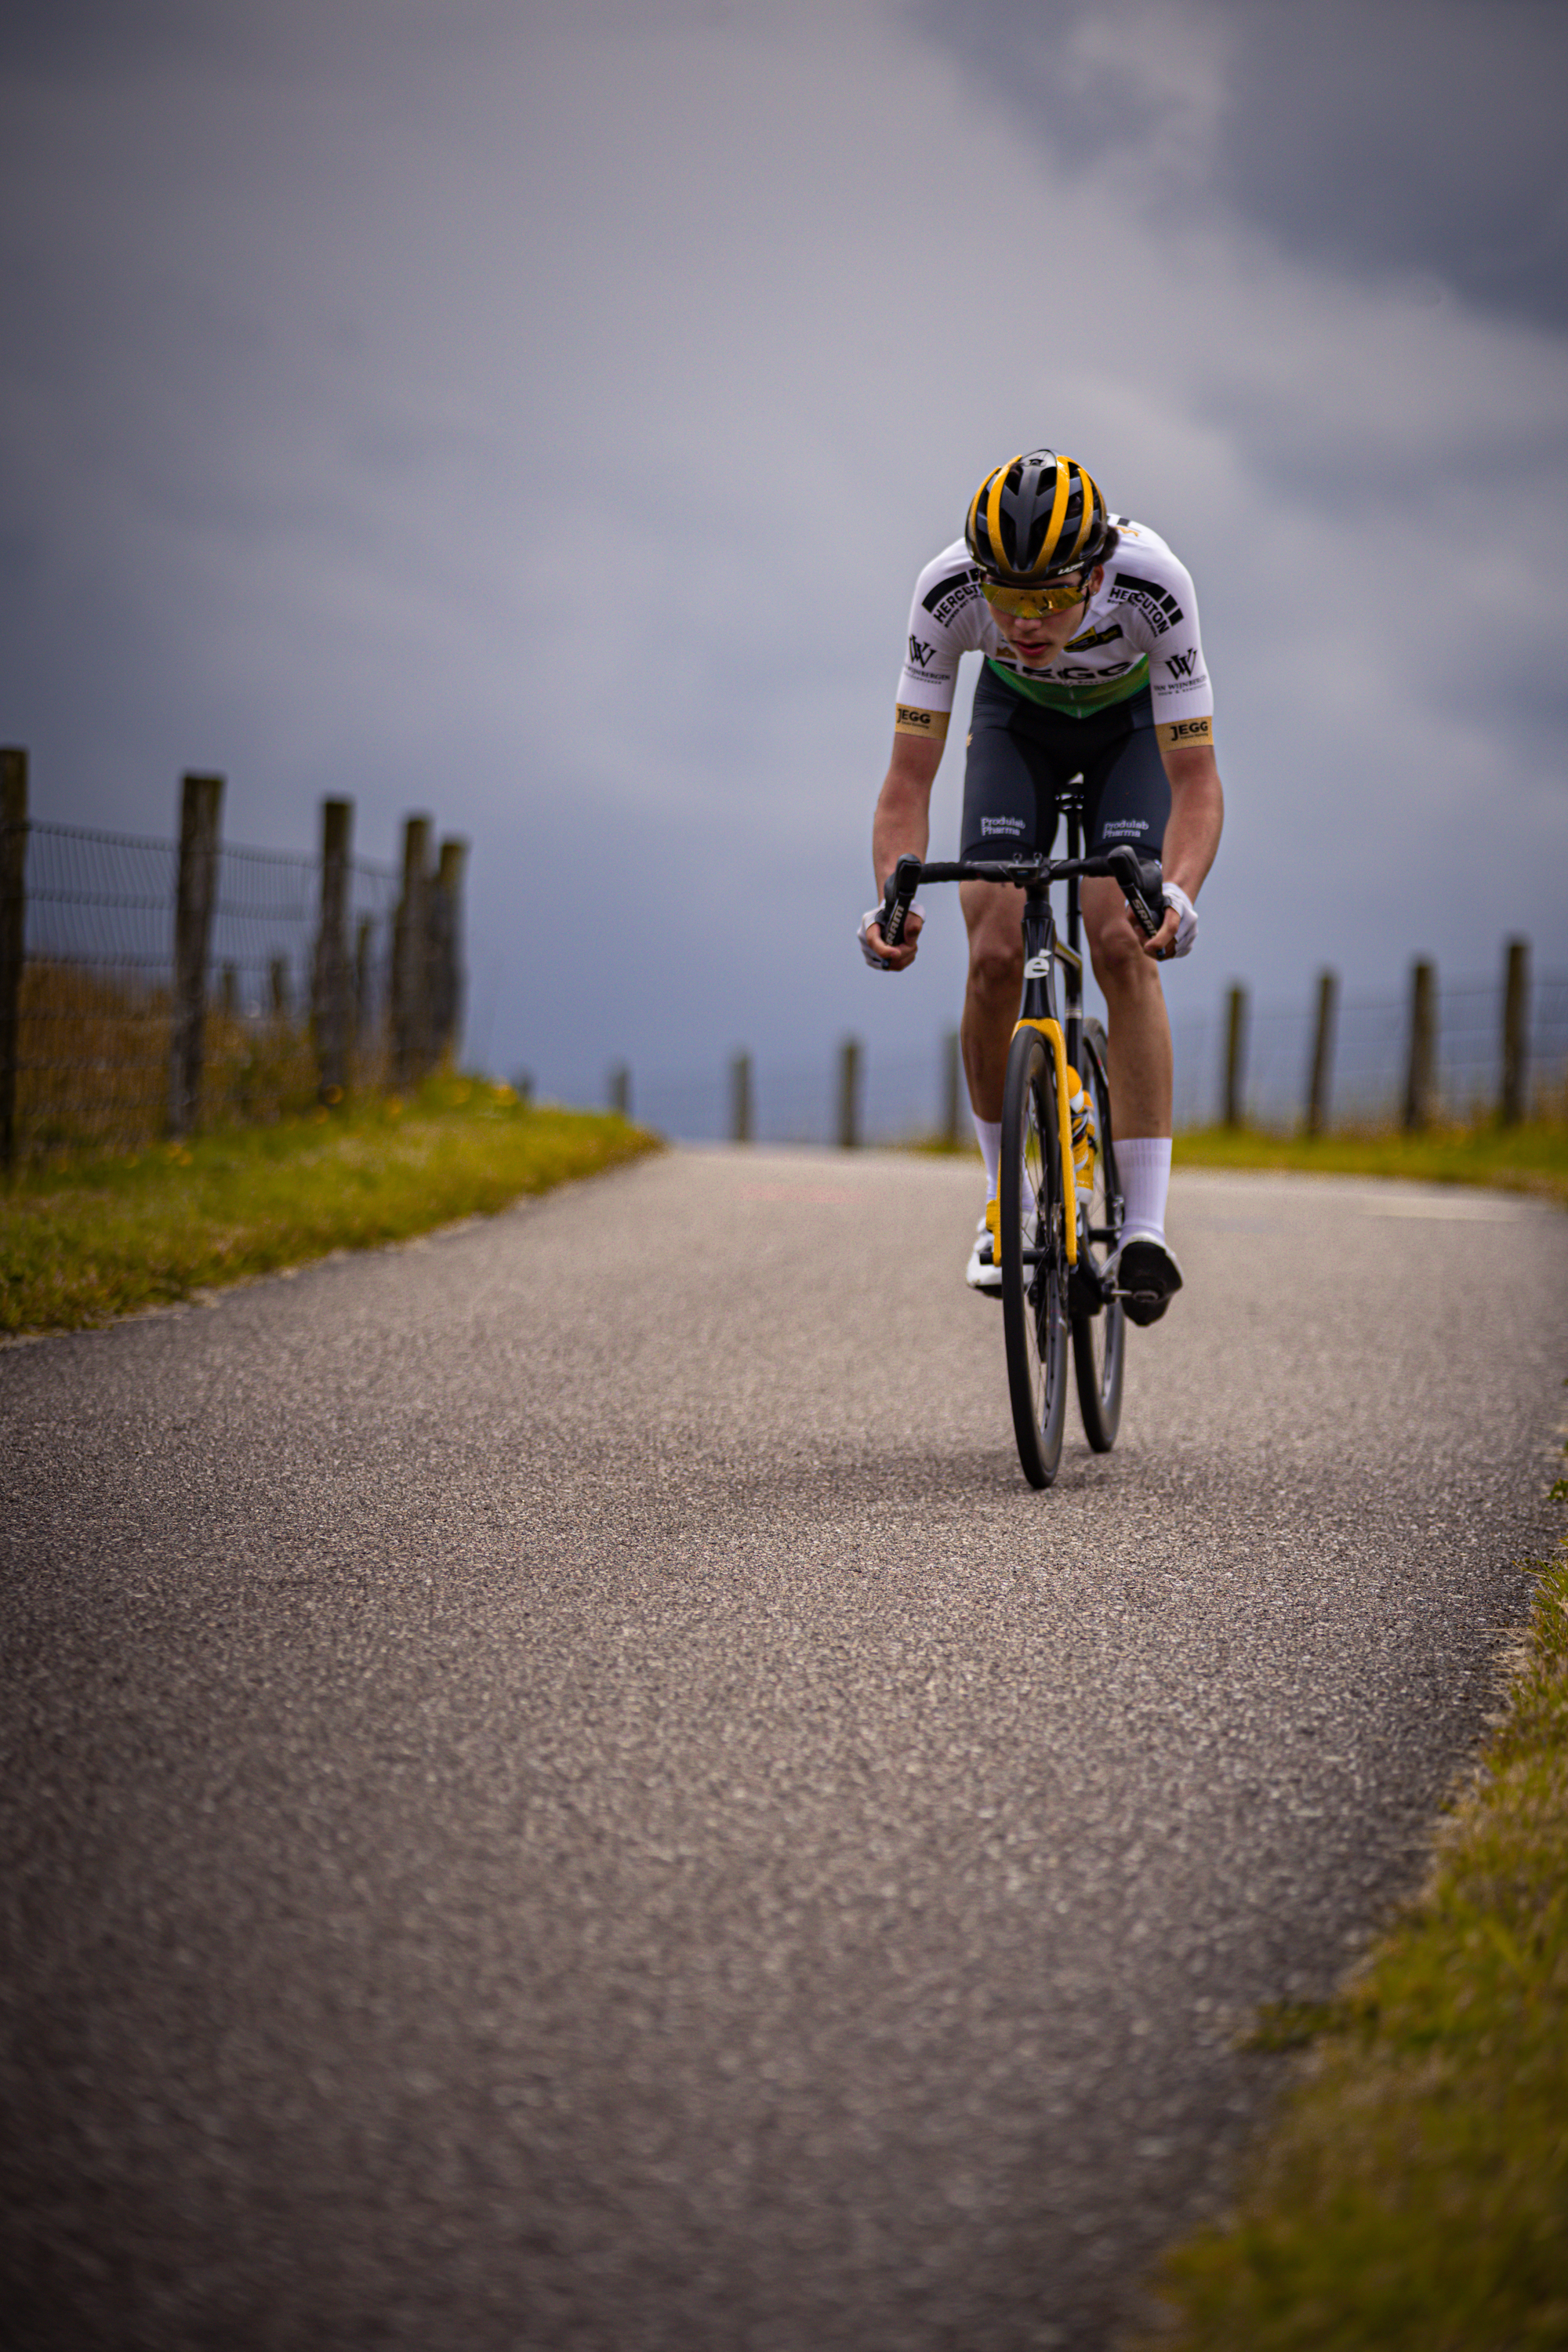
996, 967
1114, 951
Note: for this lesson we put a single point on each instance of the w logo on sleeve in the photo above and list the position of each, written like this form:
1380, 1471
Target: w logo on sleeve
1183, 665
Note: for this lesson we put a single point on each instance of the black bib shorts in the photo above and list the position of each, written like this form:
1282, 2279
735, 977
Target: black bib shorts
1022, 754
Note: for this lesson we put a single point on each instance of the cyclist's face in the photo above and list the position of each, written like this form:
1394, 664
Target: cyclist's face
1040, 636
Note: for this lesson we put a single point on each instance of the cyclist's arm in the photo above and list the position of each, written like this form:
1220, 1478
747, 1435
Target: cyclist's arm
1192, 831
901, 825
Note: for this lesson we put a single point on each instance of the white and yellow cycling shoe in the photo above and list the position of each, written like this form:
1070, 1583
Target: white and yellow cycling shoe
983, 1273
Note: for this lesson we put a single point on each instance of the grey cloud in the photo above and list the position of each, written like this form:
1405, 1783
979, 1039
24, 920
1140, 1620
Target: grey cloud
1414, 137
1410, 137
97, 42
347, 384
97, 39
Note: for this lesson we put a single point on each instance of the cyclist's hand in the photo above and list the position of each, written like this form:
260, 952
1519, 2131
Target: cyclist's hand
875, 948
1179, 930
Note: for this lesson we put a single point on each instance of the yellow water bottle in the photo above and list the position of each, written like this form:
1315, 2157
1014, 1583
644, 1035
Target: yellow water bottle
1085, 1138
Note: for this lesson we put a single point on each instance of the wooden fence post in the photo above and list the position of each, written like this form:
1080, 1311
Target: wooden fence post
201, 801
1319, 1075
1421, 1060
952, 1096
1516, 1034
13, 935
849, 1094
446, 925
411, 961
741, 1099
621, 1090
365, 947
330, 988
1235, 1056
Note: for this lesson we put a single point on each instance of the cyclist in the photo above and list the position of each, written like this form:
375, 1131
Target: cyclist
1092, 662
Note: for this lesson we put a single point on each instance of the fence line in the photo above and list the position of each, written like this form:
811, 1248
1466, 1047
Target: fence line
1280, 1068
147, 986
1367, 1050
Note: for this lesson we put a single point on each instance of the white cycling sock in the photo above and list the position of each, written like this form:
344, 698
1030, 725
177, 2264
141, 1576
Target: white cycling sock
1144, 1165
989, 1132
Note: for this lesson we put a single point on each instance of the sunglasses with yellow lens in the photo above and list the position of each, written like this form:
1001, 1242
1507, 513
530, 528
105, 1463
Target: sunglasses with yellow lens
1030, 603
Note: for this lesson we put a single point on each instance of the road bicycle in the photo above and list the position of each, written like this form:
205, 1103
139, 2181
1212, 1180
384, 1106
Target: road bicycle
1054, 1233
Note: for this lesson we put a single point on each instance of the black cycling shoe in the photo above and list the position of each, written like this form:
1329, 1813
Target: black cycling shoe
1147, 1278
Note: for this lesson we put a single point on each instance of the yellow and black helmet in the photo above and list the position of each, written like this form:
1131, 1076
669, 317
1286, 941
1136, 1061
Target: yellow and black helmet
1037, 517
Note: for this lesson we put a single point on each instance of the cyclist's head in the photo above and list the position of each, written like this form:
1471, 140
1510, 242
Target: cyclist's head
1036, 520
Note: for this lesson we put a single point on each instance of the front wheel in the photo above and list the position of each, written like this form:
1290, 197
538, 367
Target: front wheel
1099, 1325
1034, 1267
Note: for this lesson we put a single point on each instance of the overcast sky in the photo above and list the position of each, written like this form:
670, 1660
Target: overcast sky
538, 416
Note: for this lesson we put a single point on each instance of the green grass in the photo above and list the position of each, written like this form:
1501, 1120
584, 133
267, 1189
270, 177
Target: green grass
1532, 1157
1413, 2196
86, 1239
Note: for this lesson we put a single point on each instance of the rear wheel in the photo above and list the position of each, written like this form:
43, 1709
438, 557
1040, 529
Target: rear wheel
1034, 1268
1099, 1325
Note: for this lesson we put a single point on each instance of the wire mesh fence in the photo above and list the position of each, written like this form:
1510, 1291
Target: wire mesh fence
906, 1097
895, 1098
1369, 1058
97, 986
149, 986
306, 966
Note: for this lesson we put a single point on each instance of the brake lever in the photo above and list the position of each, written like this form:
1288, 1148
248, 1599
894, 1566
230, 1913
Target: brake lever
898, 899
1141, 886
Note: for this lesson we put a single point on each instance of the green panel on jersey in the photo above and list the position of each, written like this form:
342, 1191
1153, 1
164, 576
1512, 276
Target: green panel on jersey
1079, 702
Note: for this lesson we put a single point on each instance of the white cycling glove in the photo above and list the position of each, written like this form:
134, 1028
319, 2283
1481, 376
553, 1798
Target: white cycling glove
1186, 920
874, 915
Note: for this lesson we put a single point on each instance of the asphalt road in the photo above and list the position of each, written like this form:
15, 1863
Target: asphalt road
561, 1791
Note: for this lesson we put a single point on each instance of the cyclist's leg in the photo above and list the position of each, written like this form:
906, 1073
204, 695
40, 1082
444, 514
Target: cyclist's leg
1008, 810
1128, 800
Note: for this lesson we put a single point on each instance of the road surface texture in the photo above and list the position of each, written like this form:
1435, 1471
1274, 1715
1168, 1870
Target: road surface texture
563, 1795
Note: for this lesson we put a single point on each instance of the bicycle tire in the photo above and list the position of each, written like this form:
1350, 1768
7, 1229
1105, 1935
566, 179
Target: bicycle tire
1034, 1289
1100, 1333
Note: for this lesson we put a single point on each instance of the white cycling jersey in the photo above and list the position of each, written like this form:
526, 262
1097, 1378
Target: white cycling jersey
1141, 630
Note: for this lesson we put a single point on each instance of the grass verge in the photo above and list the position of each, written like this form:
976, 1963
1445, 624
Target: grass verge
1413, 2192
89, 1239
1531, 1157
